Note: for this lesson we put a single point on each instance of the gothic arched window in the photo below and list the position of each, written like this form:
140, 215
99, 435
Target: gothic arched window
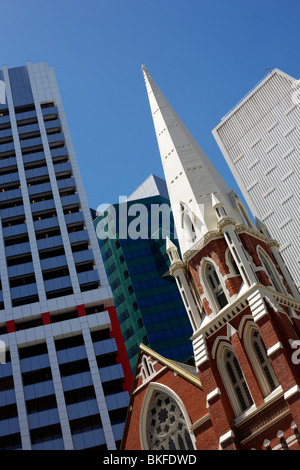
232, 265
215, 286
233, 379
271, 271
238, 382
261, 363
166, 425
263, 360
187, 222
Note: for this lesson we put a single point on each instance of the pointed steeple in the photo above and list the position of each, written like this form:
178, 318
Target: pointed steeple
190, 176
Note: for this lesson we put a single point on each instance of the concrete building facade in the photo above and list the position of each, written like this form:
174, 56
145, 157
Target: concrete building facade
62, 385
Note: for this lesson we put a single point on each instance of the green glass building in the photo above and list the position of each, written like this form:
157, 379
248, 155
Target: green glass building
131, 237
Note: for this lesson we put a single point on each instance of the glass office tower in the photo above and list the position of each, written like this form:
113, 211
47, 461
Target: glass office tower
62, 385
148, 304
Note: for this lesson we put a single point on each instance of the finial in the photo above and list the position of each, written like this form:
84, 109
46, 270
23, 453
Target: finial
170, 244
214, 201
144, 68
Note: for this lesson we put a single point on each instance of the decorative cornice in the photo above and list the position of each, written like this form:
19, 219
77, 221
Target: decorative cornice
221, 319
233, 309
215, 234
255, 233
271, 243
177, 265
287, 301
224, 221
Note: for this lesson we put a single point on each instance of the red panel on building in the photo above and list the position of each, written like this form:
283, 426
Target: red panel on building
10, 325
123, 357
46, 318
81, 310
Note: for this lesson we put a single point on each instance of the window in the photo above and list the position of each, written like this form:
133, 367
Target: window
123, 316
234, 265
166, 426
240, 392
187, 222
130, 290
133, 351
111, 268
221, 211
119, 299
261, 353
215, 286
147, 368
128, 333
262, 366
108, 253
116, 283
47, 433
270, 270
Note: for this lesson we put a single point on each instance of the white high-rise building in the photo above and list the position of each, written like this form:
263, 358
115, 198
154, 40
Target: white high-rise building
260, 140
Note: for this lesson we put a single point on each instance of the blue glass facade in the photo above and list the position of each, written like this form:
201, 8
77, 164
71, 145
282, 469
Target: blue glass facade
148, 304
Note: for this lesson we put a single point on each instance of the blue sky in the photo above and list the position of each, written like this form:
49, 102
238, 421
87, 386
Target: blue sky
205, 55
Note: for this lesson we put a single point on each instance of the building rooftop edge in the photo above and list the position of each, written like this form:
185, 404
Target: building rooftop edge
249, 93
174, 366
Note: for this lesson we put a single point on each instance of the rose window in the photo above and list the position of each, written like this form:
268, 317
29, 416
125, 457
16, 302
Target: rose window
166, 425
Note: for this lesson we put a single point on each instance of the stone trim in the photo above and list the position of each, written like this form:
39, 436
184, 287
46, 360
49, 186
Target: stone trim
292, 391
212, 395
274, 348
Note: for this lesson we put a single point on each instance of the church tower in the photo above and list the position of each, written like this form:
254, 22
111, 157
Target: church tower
240, 298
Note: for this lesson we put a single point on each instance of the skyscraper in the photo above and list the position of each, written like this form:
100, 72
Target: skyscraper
260, 140
149, 307
244, 391
63, 385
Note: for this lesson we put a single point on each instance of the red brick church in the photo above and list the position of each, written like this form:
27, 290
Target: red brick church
244, 390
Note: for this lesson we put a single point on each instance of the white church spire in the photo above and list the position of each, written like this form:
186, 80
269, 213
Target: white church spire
190, 176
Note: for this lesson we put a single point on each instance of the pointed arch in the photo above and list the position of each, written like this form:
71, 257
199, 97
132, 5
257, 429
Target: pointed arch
213, 284
164, 421
233, 379
259, 359
271, 271
220, 339
188, 222
231, 263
